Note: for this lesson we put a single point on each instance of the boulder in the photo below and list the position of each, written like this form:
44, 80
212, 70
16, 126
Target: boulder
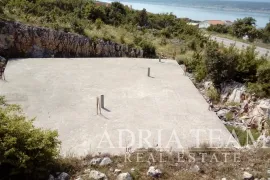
222, 113
235, 96
154, 172
124, 176
51, 177
207, 85
59, 176
247, 176
96, 175
63, 176
117, 171
95, 161
232, 91
195, 168
105, 161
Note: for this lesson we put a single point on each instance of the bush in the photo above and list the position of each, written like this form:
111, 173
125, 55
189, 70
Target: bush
242, 135
149, 50
98, 23
122, 39
229, 116
219, 28
247, 64
213, 94
137, 40
25, 151
263, 73
220, 63
200, 72
261, 90
77, 27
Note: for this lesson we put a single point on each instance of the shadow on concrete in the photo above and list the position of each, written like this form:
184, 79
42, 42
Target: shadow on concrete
104, 116
106, 109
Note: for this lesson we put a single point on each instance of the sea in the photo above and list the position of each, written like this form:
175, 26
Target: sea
201, 10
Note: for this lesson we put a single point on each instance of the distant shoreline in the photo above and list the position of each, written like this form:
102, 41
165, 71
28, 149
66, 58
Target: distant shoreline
201, 7
199, 13
228, 9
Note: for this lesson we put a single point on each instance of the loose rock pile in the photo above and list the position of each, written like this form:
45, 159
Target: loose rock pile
241, 109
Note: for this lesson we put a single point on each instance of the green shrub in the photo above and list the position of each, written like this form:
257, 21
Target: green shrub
163, 41
213, 94
200, 72
77, 27
25, 151
137, 40
193, 45
193, 62
243, 135
247, 64
263, 73
220, 63
219, 28
260, 89
149, 50
229, 116
98, 23
122, 39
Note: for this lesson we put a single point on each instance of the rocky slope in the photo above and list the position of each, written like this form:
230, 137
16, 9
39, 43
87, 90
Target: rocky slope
19, 40
238, 108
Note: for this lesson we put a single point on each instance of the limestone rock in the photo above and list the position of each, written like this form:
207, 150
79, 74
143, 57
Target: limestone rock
222, 113
195, 168
154, 172
124, 176
19, 40
232, 91
96, 175
247, 176
105, 161
63, 176
117, 171
95, 161
59, 176
236, 94
51, 177
207, 85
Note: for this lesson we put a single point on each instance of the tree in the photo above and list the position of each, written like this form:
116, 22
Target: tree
93, 12
245, 27
2, 6
263, 73
220, 63
266, 33
143, 18
116, 13
247, 64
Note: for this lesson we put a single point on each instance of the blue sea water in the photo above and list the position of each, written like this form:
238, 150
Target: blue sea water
206, 9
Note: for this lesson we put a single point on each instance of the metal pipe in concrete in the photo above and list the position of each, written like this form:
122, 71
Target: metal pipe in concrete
102, 101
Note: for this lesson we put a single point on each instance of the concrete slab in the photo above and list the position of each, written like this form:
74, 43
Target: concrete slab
164, 110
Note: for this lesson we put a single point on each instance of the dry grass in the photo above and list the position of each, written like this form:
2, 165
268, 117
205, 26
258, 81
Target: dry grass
214, 166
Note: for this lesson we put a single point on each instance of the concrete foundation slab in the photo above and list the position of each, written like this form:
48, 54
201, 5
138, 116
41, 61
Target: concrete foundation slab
164, 110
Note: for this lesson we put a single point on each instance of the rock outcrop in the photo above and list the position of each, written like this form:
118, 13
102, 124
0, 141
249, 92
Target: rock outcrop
19, 40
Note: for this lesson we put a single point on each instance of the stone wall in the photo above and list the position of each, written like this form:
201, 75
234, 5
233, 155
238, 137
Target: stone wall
19, 40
